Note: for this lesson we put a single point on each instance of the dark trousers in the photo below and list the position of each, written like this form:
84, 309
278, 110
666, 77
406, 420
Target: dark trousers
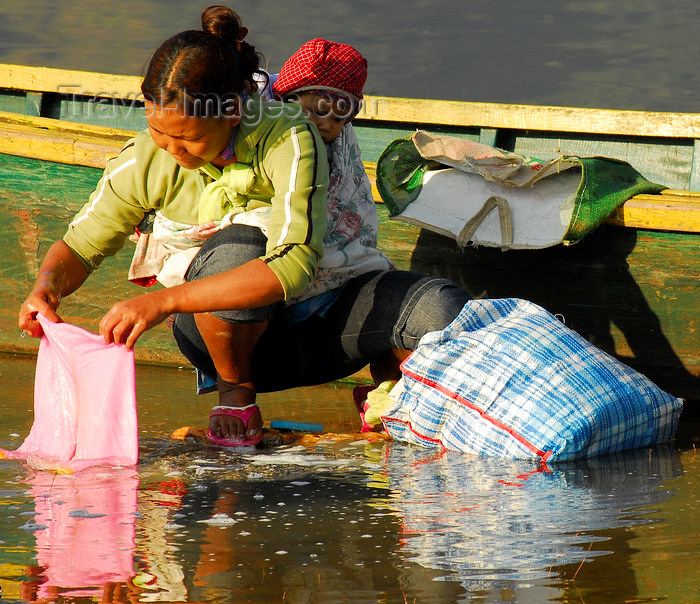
374, 313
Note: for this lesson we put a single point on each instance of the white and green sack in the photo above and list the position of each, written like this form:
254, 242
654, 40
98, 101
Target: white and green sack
480, 195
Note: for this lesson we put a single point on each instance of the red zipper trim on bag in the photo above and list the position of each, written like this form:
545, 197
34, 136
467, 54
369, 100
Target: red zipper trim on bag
544, 455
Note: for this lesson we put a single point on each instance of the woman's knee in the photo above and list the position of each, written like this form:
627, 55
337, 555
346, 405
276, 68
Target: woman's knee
230, 248
436, 305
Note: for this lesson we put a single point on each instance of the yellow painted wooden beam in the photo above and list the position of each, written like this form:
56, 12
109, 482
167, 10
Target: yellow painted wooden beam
680, 193
531, 117
670, 211
412, 111
53, 125
86, 145
67, 81
57, 146
371, 169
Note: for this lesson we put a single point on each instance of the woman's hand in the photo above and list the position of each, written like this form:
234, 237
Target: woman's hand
42, 300
127, 320
251, 285
60, 274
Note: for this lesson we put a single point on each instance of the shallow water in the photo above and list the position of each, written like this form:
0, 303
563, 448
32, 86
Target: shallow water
333, 520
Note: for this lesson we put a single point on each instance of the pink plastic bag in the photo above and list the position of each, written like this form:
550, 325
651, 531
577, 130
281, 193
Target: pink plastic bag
84, 402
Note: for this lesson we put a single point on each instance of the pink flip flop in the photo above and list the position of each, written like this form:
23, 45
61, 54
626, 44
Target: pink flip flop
242, 413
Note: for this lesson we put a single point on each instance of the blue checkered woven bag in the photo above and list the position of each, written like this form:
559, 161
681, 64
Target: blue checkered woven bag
507, 378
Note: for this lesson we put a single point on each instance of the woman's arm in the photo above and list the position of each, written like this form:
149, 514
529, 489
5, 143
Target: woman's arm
249, 286
61, 273
296, 230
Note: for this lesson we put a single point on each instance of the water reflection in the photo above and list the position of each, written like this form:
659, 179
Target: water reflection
332, 520
486, 522
290, 522
374, 519
84, 525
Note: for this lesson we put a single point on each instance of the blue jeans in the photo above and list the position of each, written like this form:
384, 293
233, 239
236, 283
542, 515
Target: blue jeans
374, 313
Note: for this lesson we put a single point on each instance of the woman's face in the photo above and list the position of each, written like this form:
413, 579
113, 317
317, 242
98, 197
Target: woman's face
193, 141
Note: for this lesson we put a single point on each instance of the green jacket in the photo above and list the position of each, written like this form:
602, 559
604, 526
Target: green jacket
282, 156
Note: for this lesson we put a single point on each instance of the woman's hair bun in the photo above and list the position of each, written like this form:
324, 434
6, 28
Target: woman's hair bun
209, 65
223, 22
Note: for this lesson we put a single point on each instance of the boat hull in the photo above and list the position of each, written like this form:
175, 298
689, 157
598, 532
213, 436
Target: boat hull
631, 287
633, 292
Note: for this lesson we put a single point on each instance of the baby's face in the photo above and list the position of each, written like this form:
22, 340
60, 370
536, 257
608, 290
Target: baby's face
329, 116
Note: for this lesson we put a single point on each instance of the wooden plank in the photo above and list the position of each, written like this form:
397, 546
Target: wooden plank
78, 129
414, 111
488, 136
530, 117
46, 79
13, 101
681, 193
659, 212
681, 214
57, 146
89, 145
32, 104
371, 169
694, 180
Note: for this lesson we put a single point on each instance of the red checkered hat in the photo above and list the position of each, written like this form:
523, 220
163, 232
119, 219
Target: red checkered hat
323, 65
